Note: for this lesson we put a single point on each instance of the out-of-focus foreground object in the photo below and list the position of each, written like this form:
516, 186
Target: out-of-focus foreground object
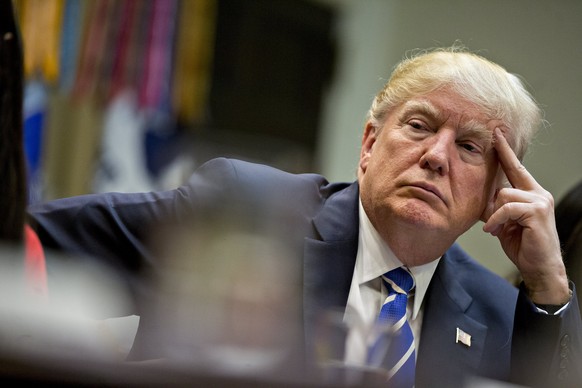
12, 167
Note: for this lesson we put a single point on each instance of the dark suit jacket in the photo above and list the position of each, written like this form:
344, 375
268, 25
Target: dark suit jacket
510, 341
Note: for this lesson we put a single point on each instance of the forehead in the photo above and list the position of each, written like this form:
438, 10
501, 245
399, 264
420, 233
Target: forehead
444, 106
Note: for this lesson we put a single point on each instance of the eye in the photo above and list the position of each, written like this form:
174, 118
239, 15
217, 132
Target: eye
470, 147
418, 125
471, 151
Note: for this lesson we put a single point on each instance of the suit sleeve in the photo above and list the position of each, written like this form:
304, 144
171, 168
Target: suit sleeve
546, 349
116, 227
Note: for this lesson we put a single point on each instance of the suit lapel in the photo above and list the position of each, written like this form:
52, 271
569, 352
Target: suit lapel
440, 357
329, 258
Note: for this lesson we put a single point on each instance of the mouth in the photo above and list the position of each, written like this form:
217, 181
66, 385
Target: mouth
432, 190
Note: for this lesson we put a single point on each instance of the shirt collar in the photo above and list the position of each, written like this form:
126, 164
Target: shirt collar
378, 258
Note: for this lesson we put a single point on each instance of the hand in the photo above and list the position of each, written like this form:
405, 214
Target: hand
522, 218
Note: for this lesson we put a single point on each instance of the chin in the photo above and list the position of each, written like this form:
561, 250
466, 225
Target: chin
420, 216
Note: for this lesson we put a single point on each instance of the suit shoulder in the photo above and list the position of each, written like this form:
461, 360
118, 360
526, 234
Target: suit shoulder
262, 186
475, 276
244, 175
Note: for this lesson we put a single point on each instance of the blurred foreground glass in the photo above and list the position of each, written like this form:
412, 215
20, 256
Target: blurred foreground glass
336, 335
228, 298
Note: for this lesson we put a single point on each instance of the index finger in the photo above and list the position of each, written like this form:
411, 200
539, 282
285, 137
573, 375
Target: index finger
516, 173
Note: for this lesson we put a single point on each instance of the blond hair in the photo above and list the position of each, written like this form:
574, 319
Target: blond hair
500, 94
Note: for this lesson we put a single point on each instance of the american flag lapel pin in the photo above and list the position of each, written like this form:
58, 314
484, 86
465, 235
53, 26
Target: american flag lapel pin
463, 338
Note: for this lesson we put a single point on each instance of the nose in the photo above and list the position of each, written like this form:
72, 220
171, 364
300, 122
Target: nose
437, 152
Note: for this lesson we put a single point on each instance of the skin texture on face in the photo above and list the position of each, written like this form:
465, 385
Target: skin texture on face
427, 174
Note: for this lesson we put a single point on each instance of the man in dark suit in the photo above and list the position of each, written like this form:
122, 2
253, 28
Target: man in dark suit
441, 150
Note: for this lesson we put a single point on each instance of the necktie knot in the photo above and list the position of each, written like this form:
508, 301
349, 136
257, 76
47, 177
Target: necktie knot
398, 283
398, 280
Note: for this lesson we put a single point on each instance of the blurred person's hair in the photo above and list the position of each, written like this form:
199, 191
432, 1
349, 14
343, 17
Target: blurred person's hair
12, 164
500, 95
569, 226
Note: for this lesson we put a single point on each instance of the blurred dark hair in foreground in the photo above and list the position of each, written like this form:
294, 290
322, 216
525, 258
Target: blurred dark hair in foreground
12, 167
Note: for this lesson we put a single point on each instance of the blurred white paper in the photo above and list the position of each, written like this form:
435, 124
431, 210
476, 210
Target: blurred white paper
72, 320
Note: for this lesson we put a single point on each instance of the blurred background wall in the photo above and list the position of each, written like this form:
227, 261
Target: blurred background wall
131, 95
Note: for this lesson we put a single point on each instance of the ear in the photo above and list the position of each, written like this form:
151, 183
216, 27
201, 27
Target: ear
368, 140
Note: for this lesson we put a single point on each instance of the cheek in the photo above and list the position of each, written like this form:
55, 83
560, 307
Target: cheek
388, 169
473, 188
392, 156
400, 154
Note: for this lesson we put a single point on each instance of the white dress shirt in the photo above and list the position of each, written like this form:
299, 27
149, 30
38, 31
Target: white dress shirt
374, 258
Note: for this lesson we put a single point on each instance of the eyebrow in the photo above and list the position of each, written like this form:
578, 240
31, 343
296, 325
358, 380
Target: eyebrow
476, 129
423, 107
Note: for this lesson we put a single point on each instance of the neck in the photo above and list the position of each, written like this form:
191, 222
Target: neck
413, 247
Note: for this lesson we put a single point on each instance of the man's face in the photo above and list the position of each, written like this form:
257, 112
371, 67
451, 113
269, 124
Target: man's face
430, 169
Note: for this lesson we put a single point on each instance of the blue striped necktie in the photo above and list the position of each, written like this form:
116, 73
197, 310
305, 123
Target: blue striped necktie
394, 351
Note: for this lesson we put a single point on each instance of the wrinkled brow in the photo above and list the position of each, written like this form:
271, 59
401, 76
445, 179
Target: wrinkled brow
473, 129
422, 107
